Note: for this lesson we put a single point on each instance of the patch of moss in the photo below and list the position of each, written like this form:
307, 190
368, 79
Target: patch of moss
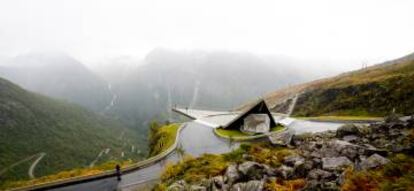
237, 134
285, 185
397, 175
193, 170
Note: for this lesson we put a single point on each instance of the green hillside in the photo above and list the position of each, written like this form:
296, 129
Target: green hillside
373, 91
70, 136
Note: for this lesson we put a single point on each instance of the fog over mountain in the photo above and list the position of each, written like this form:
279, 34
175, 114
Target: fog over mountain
58, 75
138, 91
89, 86
148, 89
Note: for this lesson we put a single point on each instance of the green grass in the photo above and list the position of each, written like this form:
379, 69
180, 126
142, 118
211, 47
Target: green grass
396, 175
371, 99
193, 169
109, 165
374, 91
237, 134
162, 137
70, 135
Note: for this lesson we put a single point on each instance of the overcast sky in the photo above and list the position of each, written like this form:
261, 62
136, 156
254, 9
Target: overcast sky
364, 30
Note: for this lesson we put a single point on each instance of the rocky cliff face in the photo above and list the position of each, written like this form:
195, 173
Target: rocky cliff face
319, 161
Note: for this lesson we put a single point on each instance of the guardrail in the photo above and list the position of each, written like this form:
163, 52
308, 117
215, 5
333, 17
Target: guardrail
105, 174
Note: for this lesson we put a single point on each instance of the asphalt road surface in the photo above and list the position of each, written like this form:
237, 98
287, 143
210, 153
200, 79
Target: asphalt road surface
195, 139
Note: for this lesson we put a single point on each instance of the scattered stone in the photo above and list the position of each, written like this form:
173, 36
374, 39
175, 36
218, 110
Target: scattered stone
294, 160
347, 129
248, 166
318, 174
370, 150
330, 186
350, 138
252, 170
335, 163
283, 138
254, 185
284, 172
197, 188
320, 158
373, 161
341, 178
392, 118
218, 182
180, 185
232, 175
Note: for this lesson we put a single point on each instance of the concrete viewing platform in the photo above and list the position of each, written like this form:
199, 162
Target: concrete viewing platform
217, 119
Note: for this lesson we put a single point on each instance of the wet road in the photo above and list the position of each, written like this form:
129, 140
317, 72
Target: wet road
195, 139
301, 126
198, 139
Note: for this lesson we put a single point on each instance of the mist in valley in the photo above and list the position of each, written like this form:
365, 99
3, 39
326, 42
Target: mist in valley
138, 91
86, 86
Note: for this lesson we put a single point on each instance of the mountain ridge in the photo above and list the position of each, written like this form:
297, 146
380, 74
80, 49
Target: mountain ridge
386, 80
69, 135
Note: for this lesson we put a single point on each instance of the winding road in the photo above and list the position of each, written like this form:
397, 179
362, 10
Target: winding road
30, 172
195, 139
34, 164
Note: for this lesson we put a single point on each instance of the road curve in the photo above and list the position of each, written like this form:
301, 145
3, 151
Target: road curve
34, 164
195, 139
17, 163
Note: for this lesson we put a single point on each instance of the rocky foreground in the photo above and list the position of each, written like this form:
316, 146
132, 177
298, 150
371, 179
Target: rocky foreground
320, 161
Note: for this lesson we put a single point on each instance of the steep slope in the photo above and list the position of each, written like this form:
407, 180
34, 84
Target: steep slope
60, 76
374, 91
68, 135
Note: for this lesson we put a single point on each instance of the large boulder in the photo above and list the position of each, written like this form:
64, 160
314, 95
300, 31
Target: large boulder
347, 129
318, 174
373, 161
370, 150
314, 185
232, 174
350, 138
218, 183
303, 169
392, 118
410, 122
254, 185
283, 138
335, 163
252, 170
285, 172
293, 160
336, 148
